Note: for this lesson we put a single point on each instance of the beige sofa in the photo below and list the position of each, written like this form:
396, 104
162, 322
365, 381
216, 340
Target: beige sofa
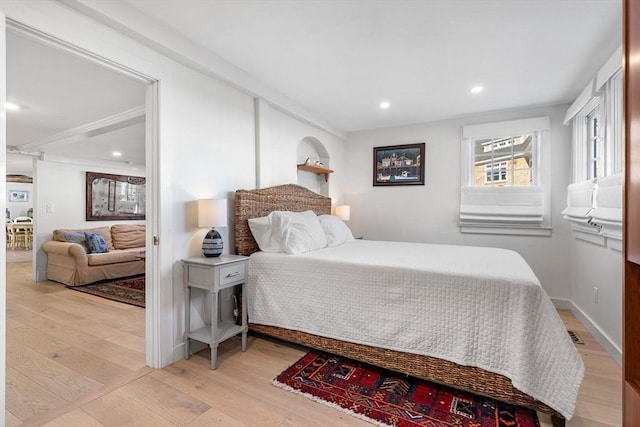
69, 262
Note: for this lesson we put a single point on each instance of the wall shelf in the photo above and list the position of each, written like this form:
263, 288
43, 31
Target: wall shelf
316, 169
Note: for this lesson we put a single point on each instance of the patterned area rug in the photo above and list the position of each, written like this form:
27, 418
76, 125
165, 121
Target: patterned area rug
387, 398
129, 290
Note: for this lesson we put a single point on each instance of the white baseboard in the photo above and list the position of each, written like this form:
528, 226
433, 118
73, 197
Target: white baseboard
614, 351
563, 304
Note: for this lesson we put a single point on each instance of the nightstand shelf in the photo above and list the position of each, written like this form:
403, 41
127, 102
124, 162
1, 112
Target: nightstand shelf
316, 169
213, 275
226, 329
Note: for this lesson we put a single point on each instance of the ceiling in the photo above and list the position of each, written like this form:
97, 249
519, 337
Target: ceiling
337, 59
340, 59
67, 104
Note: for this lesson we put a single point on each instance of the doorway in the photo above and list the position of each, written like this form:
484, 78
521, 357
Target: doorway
61, 147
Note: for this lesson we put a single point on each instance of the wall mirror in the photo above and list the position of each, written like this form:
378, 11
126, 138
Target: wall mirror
115, 197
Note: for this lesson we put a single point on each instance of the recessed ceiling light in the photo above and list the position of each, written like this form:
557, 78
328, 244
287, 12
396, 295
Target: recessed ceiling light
116, 154
477, 89
11, 106
384, 105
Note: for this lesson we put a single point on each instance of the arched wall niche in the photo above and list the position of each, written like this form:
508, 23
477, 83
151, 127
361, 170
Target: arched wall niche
311, 148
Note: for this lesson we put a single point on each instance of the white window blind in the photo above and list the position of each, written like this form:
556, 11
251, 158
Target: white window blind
507, 205
580, 199
607, 212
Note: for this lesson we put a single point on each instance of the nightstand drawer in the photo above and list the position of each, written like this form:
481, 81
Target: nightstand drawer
233, 273
199, 277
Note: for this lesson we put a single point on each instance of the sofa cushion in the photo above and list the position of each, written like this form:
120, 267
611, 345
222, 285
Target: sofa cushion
114, 257
96, 243
126, 236
58, 235
77, 237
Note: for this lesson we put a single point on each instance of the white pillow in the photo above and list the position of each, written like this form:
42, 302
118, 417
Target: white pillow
263, 233
335, 229
298, 232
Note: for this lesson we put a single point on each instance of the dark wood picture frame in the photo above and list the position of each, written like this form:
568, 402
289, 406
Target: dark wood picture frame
112, 197
399, 164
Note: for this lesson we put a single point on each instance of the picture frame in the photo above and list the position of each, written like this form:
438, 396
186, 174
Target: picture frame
399, 165
112, 197
18, 196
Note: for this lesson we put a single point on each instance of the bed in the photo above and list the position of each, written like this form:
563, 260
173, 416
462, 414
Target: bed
405, 357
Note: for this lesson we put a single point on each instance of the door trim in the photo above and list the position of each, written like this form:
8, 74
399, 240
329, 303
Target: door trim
152, 164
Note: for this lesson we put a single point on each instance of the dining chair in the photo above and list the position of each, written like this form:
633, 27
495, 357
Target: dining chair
11, 238
23, 219
23, 232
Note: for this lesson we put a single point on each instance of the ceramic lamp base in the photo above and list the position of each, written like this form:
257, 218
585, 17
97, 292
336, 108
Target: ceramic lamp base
212, 244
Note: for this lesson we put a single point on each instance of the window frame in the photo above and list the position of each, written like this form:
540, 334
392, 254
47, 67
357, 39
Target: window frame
512, 220
595, 144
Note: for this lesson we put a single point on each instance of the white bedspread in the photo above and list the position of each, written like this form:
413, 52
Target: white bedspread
473, 306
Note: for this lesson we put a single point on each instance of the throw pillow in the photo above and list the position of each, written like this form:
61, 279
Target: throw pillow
298, 232
77, 237
263, 234
96, 243
337, 232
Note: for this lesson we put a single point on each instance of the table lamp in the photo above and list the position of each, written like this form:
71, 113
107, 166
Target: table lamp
212, 213
343, 212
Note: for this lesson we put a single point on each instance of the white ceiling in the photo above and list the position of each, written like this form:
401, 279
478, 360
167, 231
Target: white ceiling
337, 59
59, 94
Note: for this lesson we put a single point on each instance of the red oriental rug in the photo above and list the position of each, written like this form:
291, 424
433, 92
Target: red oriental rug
387, 398
129, 290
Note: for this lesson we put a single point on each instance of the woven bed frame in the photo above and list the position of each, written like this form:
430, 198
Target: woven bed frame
291, 197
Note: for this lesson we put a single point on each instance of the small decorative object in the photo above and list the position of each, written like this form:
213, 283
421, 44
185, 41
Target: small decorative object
399, 165
308, 161
319, 163
212, 213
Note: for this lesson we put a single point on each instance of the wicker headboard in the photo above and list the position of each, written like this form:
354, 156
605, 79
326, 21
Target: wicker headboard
261, 202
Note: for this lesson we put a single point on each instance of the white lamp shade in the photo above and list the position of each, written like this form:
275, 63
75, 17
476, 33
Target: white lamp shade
212, 213
343, 212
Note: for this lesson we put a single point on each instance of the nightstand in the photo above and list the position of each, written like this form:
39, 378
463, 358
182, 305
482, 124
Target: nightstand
212, 275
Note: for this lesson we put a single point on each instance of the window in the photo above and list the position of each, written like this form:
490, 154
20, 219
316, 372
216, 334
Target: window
594, 198
495, 173
505, 161
594, 144
502, 177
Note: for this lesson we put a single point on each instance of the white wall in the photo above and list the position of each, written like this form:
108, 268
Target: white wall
62, 186
206, 148
598, 266
429, 213
19, 208
278, 155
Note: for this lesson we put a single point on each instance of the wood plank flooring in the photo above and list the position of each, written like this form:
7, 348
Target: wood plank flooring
74, 359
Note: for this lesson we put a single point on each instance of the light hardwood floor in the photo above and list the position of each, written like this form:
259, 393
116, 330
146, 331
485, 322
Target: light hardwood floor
77, 360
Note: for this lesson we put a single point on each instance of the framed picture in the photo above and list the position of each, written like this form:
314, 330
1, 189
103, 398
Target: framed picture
114, 197
18, 196
399, 165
